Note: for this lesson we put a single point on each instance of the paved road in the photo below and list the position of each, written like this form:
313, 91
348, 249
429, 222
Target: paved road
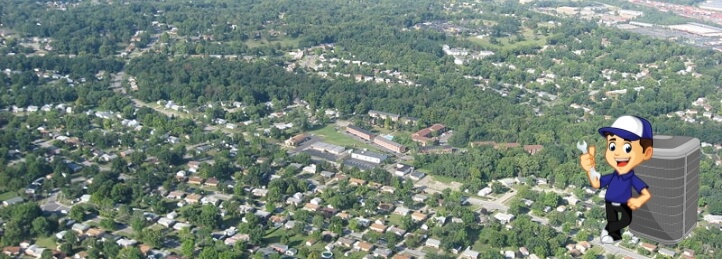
506, 197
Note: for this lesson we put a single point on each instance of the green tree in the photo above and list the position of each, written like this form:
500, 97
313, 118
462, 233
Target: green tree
41, 226
77, 213
188, 248
108, 224
130, 253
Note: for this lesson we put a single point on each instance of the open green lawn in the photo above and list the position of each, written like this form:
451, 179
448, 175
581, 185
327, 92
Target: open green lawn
274, 236
395, 219
8, 195
285, 42
506, 42
48, 242
330, 135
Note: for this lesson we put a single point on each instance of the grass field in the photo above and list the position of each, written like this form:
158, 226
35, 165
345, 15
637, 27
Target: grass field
505, 42
45, 242
8, 195
330, 135
291, 43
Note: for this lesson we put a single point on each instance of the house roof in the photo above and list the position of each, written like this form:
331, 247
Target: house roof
298, 137
365, 245
378, 226
433, 242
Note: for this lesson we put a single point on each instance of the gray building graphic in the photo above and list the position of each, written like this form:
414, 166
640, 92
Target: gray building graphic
673, 178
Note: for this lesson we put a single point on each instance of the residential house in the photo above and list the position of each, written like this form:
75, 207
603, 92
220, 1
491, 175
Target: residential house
433, 243
402, 256
310, 242
193, 198
259, 192
124, 242
688, 253
34, 251
388, 189
470, 254
484, 191
281, 248
383, 252
402, 169
327, 174
357, 182
263, 214
364, 246
181, 175
385, 207
346, 242
212, 200
80, 255
245, 208
583, 246
344, 215
384, 115
166, 222
94, 232
524, 251
504, 218
532, 149
291, 252
195, 180
418, 216
296, 140
193, 166
416, 175
374, 185
11, 201
378, 227
79, 228
212, 182
666, 252
398, 231
649, 247
316, 201
419, 198
401, 211
278, 220
363, 222
310, 207
11, 251
236, 238
181, 225
294, 200
359, 132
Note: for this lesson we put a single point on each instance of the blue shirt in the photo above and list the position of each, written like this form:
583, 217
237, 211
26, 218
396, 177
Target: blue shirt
619, 187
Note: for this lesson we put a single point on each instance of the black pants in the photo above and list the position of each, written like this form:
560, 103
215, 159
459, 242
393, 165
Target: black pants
615, 224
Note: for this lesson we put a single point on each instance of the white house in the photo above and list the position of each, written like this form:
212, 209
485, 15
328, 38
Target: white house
504, 218
484, 192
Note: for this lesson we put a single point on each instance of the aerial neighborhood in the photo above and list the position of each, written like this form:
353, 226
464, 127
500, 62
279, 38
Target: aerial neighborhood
340, 129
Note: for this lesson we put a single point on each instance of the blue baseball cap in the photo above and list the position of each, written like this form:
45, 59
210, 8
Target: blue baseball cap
630, 128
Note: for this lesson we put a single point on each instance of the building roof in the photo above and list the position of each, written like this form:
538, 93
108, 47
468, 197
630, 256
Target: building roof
381, 157
387, 141
298, 138
360, 130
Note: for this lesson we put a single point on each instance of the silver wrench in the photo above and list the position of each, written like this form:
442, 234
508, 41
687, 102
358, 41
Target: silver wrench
582, 146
